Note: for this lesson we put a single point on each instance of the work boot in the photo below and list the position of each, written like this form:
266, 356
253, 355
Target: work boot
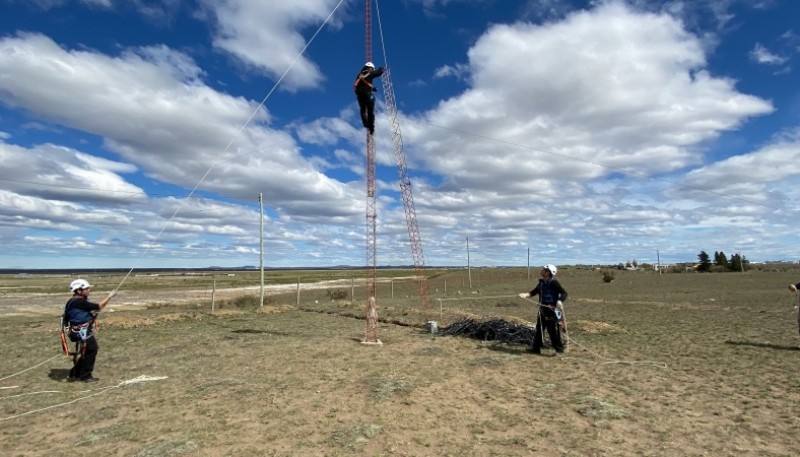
90, 379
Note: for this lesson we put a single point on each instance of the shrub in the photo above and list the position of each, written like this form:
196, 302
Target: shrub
245, 301
608, 275
336, 294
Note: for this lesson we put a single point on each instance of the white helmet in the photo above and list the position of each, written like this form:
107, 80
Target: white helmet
370, 65
551, 268
79, 284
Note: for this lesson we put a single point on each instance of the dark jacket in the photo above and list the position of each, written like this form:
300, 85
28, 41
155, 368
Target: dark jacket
79, 310
549, 292
363, 83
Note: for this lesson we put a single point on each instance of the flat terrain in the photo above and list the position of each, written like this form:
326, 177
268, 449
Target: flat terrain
659, 365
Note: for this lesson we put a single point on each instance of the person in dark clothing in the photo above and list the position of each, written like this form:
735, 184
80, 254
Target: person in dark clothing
365, 94
79, 315
793, 288
551, 310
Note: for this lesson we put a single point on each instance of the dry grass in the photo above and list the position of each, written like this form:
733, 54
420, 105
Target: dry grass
671, 365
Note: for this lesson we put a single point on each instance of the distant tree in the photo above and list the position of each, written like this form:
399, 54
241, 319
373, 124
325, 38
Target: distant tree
705, 262
721, 260
738, 263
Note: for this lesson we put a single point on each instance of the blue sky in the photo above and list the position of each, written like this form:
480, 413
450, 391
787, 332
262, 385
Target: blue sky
141, 133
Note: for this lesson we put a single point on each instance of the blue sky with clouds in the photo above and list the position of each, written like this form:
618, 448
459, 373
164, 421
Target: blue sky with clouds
141, 133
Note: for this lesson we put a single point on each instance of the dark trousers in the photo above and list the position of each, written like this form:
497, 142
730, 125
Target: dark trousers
84, 363
366, 103
548, 320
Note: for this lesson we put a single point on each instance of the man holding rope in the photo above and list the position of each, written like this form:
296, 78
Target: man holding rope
79, 314
793, 288
551, 310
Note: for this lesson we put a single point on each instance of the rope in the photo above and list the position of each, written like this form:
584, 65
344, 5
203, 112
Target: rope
606, 360
31, 368
34, 393
480, 297
136, 380
235, 136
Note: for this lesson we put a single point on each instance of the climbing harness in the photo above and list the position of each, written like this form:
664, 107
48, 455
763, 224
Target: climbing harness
76, 333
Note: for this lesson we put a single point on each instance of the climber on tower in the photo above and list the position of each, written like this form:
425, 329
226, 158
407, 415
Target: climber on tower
364, 94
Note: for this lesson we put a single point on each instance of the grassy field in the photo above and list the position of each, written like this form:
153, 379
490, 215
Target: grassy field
659, 365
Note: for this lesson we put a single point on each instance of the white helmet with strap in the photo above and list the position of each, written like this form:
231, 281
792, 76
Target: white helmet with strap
551, 268
370, 65
79, 284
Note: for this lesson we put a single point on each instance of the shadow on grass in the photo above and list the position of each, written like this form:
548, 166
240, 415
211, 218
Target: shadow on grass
255, 332
780, 347
58, 374
506, 348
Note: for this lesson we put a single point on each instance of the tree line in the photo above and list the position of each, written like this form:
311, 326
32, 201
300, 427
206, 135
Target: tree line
721, 262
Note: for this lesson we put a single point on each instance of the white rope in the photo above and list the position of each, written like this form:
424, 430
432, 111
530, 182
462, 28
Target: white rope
480, 297
202, 179
34, 393
136, 380
31, 368
236, 136
606, 360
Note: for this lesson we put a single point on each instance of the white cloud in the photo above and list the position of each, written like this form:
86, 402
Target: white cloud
63, 174
267, 35
150, 107
600, 92
572, 137
762, 55
760, 176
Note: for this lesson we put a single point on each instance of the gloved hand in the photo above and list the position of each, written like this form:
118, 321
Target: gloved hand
560, 304
112, 294
524, 295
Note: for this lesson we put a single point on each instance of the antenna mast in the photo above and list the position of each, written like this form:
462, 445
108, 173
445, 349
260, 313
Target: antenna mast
371, 332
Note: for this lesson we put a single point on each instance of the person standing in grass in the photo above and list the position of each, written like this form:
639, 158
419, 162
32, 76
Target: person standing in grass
551, 310
79, 315
793, 288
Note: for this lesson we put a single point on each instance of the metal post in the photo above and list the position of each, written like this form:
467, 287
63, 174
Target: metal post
469, 272
658, 259
529, 264
213, 291
261, 243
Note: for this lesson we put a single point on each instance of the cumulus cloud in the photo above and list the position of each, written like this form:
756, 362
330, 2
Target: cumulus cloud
603, 91
152, 108
267, 35
755, 176
63, 174
572, 135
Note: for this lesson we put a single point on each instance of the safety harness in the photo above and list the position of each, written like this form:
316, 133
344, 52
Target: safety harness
544, 289
362, 79
77, 333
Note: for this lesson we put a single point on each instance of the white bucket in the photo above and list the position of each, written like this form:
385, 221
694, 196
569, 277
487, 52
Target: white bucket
432, 327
